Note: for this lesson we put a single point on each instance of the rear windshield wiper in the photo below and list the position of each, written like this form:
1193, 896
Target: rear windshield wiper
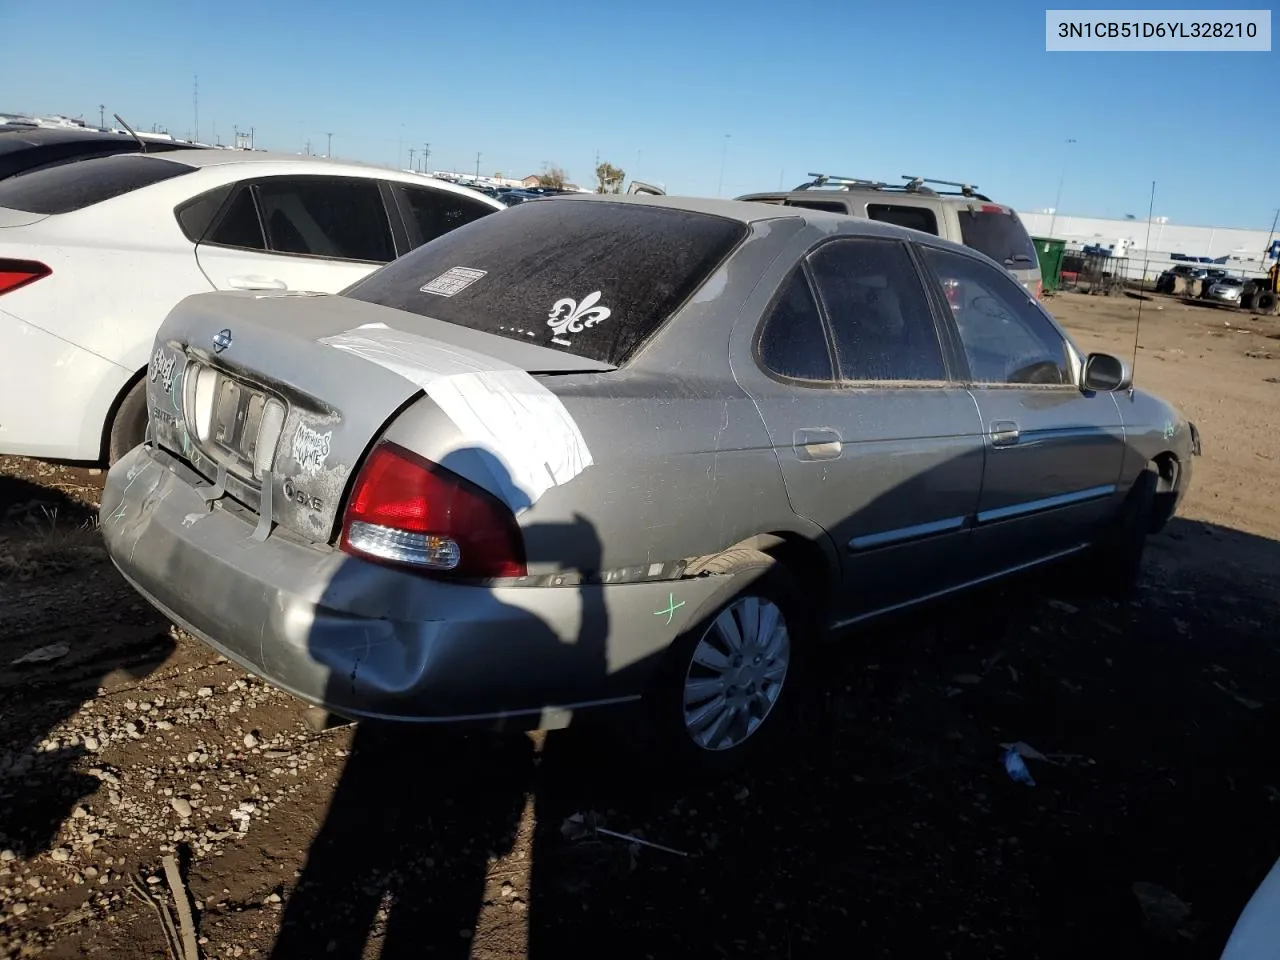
1017, 258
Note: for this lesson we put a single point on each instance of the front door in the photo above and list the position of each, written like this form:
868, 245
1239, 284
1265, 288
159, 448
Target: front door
1054, 452
876, 444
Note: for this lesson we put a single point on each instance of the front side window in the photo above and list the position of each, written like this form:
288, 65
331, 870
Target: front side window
332, 217
1006, 338
878, 310
592, 278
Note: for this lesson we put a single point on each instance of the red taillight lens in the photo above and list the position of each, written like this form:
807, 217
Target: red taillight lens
411, 512
18, 273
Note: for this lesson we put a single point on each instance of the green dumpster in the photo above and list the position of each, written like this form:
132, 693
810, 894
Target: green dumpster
1049, 253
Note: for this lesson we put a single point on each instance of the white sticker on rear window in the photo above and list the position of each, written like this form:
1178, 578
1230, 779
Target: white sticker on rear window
454, 280
570, 316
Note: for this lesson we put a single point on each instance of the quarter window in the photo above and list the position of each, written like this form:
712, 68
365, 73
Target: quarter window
913, 218
240, 226
879, 314
793, 342
1006, 337
330, 217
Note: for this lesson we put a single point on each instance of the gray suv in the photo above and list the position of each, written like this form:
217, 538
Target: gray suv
961, 215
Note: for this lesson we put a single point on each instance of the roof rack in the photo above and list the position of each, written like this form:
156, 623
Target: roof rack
913, 185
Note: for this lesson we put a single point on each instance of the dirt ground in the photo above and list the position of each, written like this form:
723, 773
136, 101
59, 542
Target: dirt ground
891, 829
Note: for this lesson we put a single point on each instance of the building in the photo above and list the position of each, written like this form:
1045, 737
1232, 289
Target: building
1241, 251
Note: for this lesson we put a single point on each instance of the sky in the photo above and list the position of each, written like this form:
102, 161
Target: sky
709, 97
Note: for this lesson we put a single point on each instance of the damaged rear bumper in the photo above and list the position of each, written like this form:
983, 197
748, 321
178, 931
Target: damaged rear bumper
368, 642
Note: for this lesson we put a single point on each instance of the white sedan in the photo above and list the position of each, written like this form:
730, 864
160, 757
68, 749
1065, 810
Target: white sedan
94, 254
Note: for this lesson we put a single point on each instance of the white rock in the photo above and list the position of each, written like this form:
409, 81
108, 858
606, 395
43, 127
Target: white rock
18, 909
250, 741
61, 854
91, 744
205, 692
7, 856
181, 807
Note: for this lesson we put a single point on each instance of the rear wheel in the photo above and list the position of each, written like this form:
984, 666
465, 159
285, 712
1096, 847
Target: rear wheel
728, 686
1265, 303
129, 427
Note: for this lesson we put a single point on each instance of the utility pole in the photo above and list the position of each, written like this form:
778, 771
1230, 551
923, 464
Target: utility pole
411, 153
308, 146
1053, 219
328, 151
426, 152
102, 116
477, 165
251, 129
195, 105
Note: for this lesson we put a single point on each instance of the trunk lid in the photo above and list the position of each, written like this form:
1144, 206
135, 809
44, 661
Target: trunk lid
279, 395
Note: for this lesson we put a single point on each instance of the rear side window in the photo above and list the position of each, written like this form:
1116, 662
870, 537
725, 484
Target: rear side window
74, 186
913, 218
592, 278
880, 317
830, 206
793, 342
433, 213
196, 214
331, 217
999, 234
240, 226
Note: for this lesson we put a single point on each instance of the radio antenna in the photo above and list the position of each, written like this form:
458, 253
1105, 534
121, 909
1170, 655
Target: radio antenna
1142, 287
142, 143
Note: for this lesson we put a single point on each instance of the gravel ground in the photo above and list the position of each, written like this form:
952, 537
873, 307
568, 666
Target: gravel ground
891, 829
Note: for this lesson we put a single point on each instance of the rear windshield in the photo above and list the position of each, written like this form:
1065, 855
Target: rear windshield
591, 278
74, 186
1000, 235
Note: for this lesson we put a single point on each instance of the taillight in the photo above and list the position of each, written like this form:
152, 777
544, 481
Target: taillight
18, 273
409, 511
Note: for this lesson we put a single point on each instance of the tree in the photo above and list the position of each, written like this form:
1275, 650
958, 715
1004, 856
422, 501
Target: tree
553, 177
610, 178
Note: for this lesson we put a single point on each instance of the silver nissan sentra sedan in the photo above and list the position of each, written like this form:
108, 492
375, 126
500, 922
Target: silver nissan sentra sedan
600, 451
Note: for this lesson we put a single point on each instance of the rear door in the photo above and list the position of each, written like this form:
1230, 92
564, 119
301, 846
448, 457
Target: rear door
877, 444
1054, 452
307, 233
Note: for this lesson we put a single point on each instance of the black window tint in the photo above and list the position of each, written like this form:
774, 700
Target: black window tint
196, 214
879, 313
330, 217
589, 277
793, 342
239, 225
830, 206
913, 218
433, 213
999, 234
74, 186
1006, 337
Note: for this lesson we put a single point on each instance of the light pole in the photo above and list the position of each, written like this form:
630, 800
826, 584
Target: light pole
724, 151
477, 166
1062, 179
328, 151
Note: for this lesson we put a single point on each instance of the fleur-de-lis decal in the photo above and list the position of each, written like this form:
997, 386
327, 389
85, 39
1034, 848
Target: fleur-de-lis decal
569, 316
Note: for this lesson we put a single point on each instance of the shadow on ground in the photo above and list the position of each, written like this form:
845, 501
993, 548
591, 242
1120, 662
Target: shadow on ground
68, 626
891, 826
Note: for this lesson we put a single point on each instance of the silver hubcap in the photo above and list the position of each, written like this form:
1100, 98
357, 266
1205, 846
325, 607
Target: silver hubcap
737, 672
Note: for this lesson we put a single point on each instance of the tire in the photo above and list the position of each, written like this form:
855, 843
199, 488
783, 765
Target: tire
129, 428
765, 582
1115, 562
1265, 303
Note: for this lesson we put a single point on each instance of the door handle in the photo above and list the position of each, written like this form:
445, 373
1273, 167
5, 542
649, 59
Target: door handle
1004, 433
817, 443
256, 283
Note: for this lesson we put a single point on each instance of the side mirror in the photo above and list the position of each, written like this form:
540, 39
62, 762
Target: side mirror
1104, 373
